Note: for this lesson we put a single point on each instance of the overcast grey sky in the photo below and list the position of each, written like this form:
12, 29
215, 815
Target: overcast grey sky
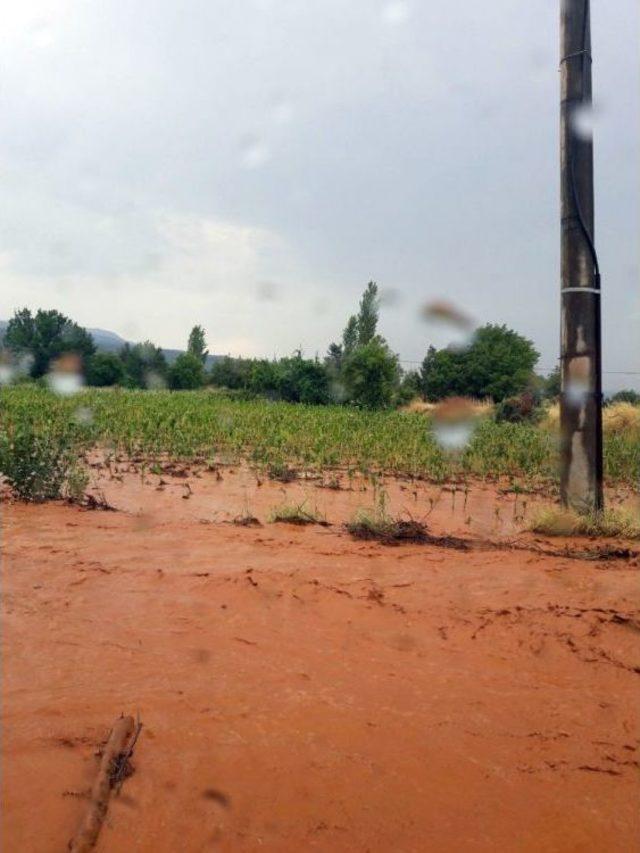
250, 164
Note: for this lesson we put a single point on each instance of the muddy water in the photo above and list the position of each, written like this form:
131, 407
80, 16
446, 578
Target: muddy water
301, 691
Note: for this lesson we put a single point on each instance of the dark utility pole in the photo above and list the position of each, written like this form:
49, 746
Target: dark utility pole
581, 366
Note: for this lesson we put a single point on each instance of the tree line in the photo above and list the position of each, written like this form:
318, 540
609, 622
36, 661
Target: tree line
360, 369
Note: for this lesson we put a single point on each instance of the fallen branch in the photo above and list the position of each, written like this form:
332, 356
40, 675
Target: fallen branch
114, 767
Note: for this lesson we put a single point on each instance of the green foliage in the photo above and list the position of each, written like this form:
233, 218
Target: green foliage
409, 388
205, 425
295, 379
197, 345
39, 460
45, 337
367, 322
105, 369
350, 335
303, 381
333, 359
498, 364
371, 374
552, 386
186, 373
625, 396
231, 373
144, 365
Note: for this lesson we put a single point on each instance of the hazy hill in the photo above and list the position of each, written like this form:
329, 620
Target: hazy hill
107, 341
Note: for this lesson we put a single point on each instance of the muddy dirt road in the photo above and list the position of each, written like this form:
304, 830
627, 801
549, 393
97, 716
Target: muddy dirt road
302, 691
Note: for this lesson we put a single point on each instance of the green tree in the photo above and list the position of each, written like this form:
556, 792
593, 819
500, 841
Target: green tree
628, 395
232, 373
409, 387
552, 385
371, 374
367, 321
186, 373
145, 365
333, 359
197, 345
301, 380
498, 364
350, 335
440, 374
105, 369
45, 337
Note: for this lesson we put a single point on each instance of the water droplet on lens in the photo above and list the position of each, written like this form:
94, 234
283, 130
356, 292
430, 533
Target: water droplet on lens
65, 375
268, 291
450, 322
577, 392
282, 112
154, 381
41, 35
64, 384
454, 422
396, 12
583, 120
254, 153
7, 374
83, 415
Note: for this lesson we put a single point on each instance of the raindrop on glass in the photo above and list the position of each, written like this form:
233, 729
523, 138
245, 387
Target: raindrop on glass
396, 12
254, 153
454, 422
583, 120
65, 375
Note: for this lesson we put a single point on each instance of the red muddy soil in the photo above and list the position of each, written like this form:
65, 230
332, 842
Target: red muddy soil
303, 691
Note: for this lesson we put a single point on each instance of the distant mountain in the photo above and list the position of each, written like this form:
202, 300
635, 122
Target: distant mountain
107, 341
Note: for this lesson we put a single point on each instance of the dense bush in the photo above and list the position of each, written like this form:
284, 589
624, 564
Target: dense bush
105, 369
295, 380
517, 410
370, 374
498, 364
186, 373
40, 461
144, 364
625, 396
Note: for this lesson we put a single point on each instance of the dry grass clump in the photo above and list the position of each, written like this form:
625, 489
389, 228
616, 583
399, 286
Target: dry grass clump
621, 417
477, 408
616, 419
297, 514
607, 523
376, 525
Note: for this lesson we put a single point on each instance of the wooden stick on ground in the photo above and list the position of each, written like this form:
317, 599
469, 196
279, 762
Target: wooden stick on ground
87, 835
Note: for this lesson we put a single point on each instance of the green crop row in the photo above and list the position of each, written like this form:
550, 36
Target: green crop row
201, 424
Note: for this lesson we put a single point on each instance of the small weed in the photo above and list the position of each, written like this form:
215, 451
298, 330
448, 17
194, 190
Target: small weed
280, 472
379, 526
606, 523
246, 519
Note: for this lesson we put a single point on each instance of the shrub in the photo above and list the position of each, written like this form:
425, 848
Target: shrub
186, 373
626, 396
41, 463
371, 374
517, 410
105, 369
